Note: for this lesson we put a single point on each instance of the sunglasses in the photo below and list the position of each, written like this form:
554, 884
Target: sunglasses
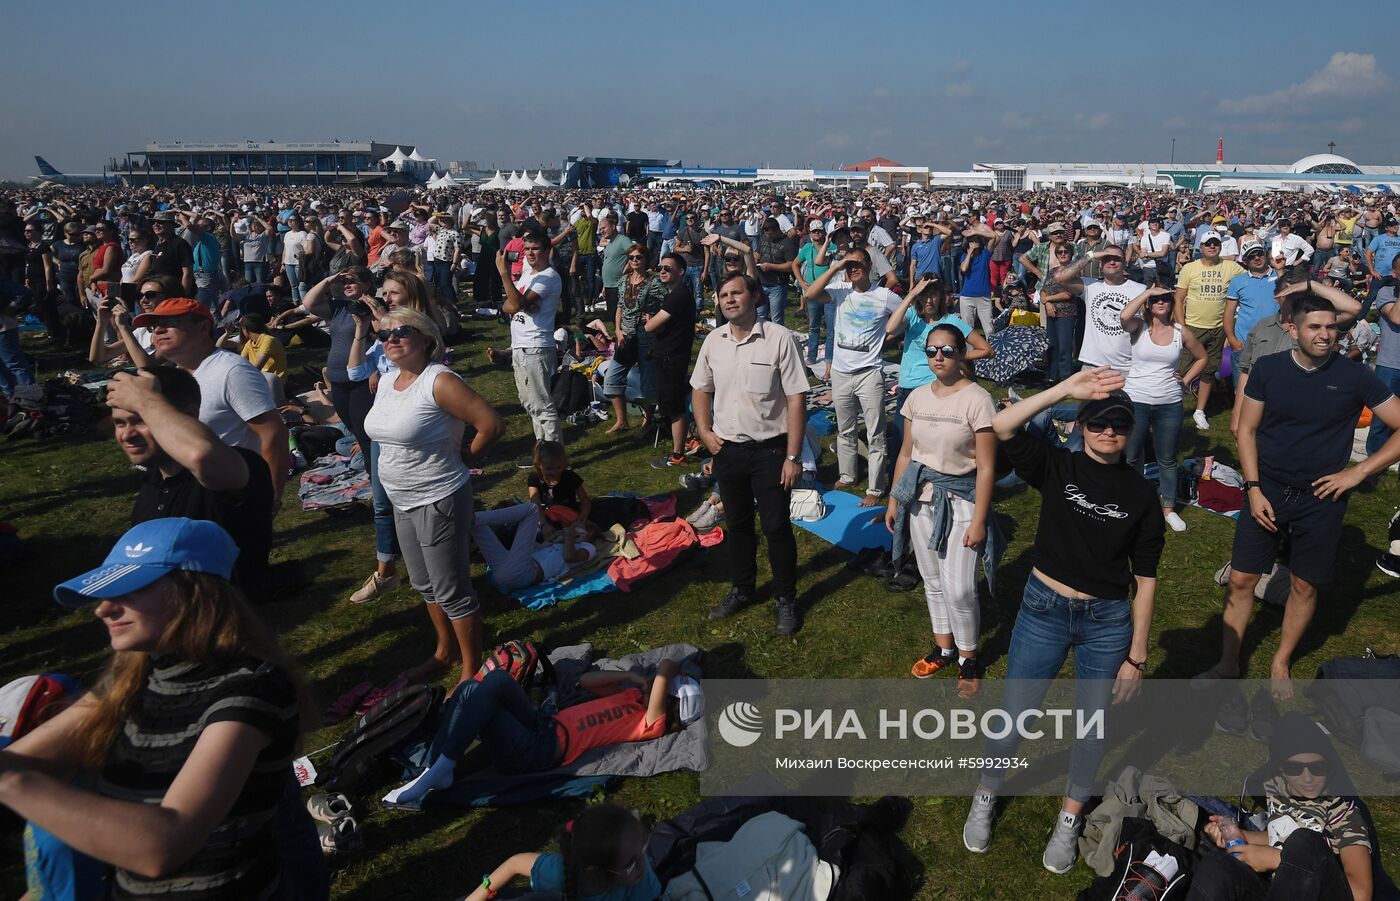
1318, 768
732, 259
1121, 425
1107, 260
666, 267
634, 257
403, 331
944, 350
152, 295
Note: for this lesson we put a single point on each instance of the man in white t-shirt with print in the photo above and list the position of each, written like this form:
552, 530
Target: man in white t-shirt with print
235, 401
532, 303
1106, 342
857, 380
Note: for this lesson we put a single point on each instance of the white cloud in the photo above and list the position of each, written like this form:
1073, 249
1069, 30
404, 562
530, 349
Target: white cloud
1016, 120
961, 67
1345, 75
959, 90
880, 92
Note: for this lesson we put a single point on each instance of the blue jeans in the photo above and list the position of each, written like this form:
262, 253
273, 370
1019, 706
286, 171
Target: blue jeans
770, 309
440, 277
15, 368
294, 282
519, 737
386, 540
1380, 432
1060, 331
255, 273
1049, 624
1164, 421
816, 313
587, 268
692, 278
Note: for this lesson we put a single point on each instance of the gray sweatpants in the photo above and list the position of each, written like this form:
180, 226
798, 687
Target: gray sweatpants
534, 375
975, 308
860, 396
436, 541
514, 566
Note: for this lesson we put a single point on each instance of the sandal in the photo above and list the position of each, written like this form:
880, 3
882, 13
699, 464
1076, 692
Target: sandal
341, 837
346, 703
327, 808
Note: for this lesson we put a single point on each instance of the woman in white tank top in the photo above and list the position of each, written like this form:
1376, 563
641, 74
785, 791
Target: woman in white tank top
419, 416
1154, 383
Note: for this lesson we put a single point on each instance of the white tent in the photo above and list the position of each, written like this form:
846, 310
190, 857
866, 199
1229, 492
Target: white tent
398, 158
911, 186
542, 182
878, 185
497, 183
419, 158
519, 182
447, 181
433, 181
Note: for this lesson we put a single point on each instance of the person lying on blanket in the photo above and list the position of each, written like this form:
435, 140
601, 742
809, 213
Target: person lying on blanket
517, 561
520, 738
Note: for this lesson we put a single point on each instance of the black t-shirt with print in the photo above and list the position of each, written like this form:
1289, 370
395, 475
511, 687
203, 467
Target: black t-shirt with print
675, 337
1100, 523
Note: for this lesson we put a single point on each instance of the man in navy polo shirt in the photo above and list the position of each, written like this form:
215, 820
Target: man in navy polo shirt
1295, 437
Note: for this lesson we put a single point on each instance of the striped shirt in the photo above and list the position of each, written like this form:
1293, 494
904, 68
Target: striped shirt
239, 859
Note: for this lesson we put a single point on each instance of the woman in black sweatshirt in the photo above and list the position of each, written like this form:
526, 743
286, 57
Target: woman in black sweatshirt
1100, 531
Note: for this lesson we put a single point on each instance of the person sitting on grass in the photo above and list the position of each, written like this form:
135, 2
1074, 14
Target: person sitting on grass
601, 856
556, 488
1320, 841
520, 738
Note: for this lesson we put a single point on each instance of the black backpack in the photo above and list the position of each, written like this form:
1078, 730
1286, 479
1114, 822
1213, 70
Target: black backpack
1132, 878
387, 724
572, 391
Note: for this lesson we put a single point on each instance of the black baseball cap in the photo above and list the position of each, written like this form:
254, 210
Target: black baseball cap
1096, 409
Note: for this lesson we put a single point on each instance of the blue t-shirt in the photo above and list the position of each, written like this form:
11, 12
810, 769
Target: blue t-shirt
978, 280
547, 875
1256, 300
1385, 246
1389, 354
913, 362
926, 254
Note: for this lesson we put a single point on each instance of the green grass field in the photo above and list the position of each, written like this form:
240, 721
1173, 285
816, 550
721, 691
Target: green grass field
70, 499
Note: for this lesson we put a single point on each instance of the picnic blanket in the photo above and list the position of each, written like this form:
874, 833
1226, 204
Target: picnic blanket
686, 749
848, 525
332, 482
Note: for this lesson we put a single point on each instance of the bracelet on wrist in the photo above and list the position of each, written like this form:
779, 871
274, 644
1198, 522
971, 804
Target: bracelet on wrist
486, 884
1139, 665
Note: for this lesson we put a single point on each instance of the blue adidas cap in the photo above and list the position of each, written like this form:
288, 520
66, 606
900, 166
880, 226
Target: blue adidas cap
148, 551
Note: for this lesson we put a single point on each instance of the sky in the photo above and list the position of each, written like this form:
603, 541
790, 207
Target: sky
817, 84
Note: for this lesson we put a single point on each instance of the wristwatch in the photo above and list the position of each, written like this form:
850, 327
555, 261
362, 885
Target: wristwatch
1249, 485
793, 458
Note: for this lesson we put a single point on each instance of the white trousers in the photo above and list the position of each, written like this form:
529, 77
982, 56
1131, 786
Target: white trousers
950, 579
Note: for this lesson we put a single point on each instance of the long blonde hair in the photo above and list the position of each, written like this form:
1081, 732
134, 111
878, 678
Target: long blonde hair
213, 623
417, 295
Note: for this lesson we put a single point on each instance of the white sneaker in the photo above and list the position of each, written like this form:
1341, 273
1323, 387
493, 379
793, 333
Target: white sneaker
1063, 848
374, 586
1176, 522
977, 829
1199, 418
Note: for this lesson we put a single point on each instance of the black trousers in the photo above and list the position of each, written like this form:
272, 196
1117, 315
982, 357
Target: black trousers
749, 474
1308, 871
352, 401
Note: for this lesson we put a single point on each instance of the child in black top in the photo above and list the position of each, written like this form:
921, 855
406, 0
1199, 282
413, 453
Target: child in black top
1100, 533
553, 484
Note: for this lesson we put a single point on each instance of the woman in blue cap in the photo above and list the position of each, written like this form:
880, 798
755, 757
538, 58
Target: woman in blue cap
190, 732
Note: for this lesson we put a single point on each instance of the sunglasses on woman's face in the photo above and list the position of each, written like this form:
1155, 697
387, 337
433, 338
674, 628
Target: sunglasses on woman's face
152, 295
944, 350
634, 258
1294, 768
1121, 425
403, 331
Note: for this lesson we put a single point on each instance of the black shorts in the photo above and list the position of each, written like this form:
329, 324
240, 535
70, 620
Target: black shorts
1312, 526
672, 386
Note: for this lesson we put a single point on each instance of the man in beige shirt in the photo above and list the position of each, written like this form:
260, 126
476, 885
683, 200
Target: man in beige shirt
750, 411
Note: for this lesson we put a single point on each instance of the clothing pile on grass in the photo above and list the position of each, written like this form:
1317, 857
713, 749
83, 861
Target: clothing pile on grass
54, 409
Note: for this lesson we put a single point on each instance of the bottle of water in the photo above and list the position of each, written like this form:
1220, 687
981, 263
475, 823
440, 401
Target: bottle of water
1232, 835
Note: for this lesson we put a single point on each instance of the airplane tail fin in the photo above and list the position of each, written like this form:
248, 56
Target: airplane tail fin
45, 168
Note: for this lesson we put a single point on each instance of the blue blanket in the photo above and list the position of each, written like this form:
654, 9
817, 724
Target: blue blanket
540, 596
848, 525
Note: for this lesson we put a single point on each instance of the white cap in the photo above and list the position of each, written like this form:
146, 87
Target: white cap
690, 698
816, 224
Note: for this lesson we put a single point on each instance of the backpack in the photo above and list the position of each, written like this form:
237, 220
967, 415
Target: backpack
571, 391
388, 723
806, 505
1133, 879
525, 662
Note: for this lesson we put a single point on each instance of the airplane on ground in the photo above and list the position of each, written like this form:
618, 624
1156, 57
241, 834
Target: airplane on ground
48, 175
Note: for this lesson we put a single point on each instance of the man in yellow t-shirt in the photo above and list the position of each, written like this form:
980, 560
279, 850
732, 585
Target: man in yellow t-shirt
1200, 306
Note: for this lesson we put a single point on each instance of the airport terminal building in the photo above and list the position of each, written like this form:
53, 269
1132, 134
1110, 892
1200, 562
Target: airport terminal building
276, 163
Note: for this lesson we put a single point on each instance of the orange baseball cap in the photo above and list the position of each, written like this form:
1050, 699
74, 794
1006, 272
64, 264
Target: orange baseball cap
173, 306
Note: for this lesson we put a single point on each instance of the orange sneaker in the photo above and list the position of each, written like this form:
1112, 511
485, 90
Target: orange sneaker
935, 661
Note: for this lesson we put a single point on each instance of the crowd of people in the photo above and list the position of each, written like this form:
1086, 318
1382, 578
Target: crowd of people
714, 312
